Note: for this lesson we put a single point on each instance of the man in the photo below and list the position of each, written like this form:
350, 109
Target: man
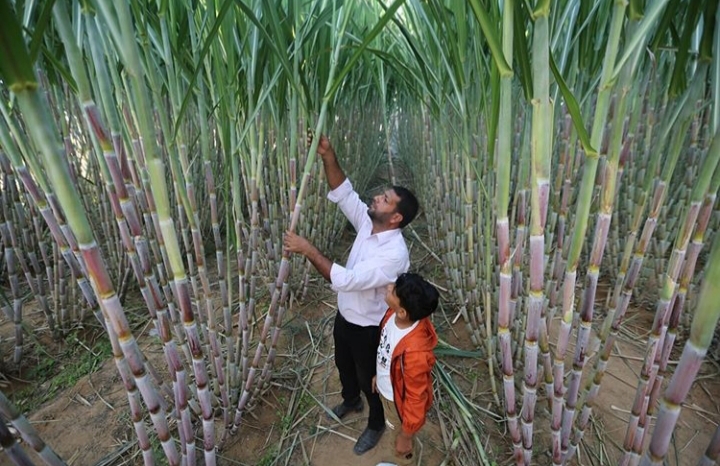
378, 255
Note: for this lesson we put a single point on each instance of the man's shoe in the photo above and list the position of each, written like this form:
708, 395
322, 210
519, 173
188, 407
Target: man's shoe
368, 439
343, 410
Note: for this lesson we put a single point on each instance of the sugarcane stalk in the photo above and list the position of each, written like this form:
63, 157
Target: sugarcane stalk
24, 86
11, 448
27, 432
632, 444
608, 195
712, 453
582, 216
706, 204
659, 361
17, 304
540, 151
502, 228
706, 317
21, 251
341, 18
705, 200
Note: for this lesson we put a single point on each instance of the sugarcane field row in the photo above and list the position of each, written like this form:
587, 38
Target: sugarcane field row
154, 154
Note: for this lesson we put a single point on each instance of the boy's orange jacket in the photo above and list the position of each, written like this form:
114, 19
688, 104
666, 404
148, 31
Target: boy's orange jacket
410, 373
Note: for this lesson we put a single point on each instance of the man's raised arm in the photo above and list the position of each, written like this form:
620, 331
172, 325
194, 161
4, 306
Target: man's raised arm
333, 172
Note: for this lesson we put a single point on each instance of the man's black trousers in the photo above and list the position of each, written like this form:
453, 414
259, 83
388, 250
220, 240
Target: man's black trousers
355, 356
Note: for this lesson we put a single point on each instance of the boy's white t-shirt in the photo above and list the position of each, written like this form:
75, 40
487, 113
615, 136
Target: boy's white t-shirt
390, 335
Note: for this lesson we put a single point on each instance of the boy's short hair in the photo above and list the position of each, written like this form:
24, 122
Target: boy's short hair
417, 296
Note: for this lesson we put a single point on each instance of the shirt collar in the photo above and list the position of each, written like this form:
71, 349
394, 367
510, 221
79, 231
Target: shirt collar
386, 236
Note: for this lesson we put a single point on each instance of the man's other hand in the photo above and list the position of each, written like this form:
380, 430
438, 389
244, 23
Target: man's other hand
296, 243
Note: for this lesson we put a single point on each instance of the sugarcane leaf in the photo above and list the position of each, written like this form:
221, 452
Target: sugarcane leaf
15, 66
492, 36
428, 77
51, 57
678, 82
709, 28
257, 108
389, 13
281, 33
403, 72
520, 51
209, 40
664, 25
493, 120
39, 31
458, 104
573, 109
641, 33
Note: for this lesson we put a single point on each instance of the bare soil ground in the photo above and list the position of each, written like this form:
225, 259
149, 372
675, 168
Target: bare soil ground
88, 423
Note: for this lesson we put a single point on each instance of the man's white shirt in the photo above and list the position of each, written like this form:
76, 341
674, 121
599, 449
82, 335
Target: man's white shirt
375, 261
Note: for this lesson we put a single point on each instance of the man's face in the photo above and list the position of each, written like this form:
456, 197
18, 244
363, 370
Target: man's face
384, 206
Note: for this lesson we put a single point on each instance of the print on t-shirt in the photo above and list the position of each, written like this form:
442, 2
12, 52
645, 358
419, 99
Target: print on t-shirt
383, 352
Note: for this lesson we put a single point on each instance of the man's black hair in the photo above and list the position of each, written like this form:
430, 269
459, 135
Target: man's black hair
408, 205
418, 297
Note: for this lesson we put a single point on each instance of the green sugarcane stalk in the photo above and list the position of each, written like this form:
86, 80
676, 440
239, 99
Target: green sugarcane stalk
693, 251
158, 186
706, 200
502, 193
214, 218
186, 189
250, 173
632, 444
706, 317
608, 195
123, 208
136, 249
341, 20
540, 152
691, 222
21, 82
582, 215
631, 264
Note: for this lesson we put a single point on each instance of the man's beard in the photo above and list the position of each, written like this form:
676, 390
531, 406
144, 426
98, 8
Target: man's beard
378, 216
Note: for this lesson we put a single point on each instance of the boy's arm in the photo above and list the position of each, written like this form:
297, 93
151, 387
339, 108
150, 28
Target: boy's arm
418, 385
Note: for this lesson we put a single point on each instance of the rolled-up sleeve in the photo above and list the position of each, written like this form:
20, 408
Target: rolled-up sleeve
350, 203
367, 275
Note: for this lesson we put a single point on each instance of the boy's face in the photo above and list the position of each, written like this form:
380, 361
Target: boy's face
391, 298
393, 302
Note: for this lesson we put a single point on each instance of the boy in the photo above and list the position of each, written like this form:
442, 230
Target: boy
404, 361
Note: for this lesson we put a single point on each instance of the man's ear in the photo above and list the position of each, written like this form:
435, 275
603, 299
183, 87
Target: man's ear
397, 218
